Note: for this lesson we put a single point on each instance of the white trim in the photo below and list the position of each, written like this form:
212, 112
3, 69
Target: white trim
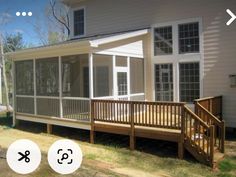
25, 96
137, 94
114, 76
48, 97
14, 94
128, 77
75, 98
104, 97
72, 22
60, 87
55, 121
175, 58
90, 75
123, 54
96, 43
35, 88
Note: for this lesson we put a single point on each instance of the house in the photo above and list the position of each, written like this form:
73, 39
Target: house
136, 50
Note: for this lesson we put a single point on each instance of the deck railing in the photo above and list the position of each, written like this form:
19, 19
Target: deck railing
212, 104
151, 114
202, 108
76, 108
67, 107
199, 135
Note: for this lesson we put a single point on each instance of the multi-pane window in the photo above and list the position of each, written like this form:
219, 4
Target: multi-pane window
24, 77
164, 82
79, 22
189, 81
163, 41
189, 38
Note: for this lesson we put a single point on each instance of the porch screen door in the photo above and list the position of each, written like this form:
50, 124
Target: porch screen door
164, 82
122, 83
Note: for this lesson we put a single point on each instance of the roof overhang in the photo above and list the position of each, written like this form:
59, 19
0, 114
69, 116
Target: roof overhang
71, 47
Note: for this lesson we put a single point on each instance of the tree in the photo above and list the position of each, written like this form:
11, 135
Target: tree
52, 26
60, 13
9, 43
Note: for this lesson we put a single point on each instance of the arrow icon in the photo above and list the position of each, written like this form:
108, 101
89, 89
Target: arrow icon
233, 17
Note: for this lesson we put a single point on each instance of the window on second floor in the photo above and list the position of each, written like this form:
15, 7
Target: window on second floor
189, 38
79, 19
163, 41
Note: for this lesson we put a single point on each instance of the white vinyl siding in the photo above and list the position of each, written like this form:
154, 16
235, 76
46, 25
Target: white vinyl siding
218, 56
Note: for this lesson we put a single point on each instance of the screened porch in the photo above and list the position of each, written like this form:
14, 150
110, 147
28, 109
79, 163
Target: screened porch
62, 87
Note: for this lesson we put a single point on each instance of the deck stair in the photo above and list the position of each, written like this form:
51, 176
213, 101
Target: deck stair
204, 133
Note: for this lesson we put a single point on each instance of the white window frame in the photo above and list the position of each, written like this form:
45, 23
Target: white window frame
175, 58
72, 22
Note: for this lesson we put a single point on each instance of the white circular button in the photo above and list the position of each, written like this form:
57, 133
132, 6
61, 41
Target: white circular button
23, 13
65, 156
17, 14
23, 156
30, 14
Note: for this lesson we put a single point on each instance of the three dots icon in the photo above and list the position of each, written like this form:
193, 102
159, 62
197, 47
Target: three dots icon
24, 14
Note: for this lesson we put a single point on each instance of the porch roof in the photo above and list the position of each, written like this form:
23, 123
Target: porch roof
74, 46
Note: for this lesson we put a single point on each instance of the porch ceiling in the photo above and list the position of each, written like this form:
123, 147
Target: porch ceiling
74, 46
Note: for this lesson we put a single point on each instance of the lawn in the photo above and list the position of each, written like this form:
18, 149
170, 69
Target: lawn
110, 155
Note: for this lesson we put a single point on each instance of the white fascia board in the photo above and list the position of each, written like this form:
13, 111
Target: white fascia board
97, 42
70, 45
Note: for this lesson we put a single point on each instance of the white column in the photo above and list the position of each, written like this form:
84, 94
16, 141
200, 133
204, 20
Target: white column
35, 100
60, 88
90, 75
14, 94
128, 77
115, 94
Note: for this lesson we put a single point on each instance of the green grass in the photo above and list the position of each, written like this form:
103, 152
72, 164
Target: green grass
111, 158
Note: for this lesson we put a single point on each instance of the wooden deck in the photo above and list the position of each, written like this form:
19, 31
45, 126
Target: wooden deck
201, 132
195, 132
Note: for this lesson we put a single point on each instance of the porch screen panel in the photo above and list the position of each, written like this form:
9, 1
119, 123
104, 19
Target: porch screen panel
102, 75
24, 77
136, 75
25, 105
75, 76
48, 107
47, 77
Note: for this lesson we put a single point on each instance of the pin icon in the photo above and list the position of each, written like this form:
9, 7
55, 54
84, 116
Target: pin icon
233, 17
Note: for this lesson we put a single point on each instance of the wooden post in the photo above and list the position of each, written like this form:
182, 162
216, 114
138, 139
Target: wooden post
132, 133
210, 105
221, 106
181, 141
92, 132
223, 136
212, 142
49, 128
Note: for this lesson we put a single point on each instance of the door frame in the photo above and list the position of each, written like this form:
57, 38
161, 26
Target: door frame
117, 70
169, 74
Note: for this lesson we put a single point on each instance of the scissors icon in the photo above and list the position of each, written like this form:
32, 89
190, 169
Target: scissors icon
24, 156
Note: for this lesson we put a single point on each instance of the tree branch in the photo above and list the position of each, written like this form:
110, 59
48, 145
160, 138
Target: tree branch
52, 4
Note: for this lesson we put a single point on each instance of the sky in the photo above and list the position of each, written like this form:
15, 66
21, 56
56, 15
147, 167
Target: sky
22, 24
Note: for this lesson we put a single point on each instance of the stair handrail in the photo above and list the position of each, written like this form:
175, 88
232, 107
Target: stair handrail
218, 123
196, 116
210, 138
213, 118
